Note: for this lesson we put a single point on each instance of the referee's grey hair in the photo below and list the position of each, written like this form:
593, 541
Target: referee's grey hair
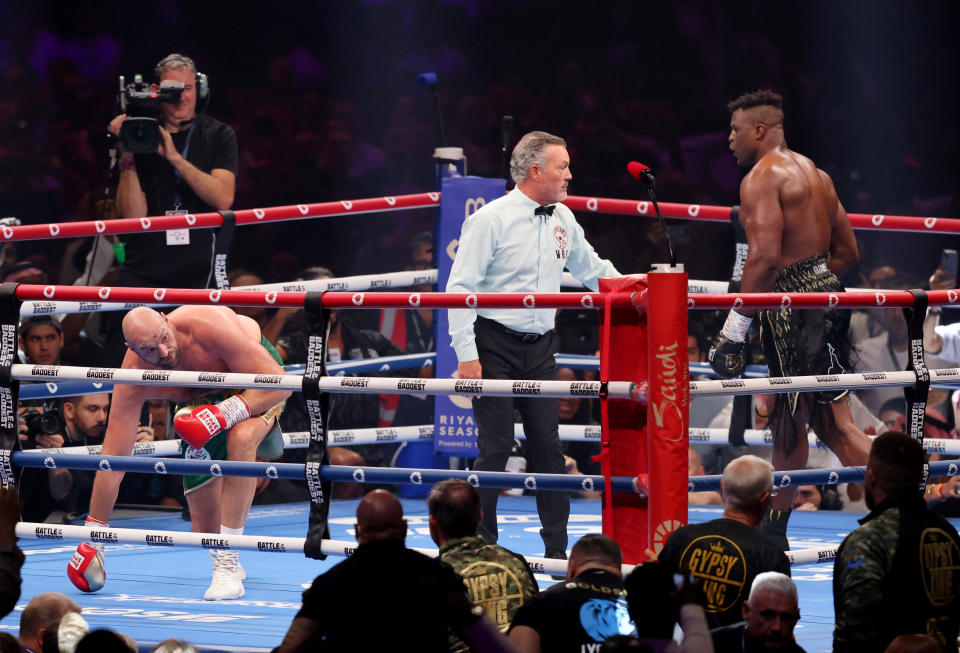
530, 150
773, 581
745, 479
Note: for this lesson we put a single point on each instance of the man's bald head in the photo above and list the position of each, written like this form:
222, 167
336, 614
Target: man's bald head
141, 324
380, 517
149, 335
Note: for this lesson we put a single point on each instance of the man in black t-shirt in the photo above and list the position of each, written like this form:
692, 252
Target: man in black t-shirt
387, 597
193, 171
725, 555
577, 614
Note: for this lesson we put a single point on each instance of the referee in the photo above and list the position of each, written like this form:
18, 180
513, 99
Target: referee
521, 242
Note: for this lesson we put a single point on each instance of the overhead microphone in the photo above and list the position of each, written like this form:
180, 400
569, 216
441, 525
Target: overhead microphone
430, 81
644, 174
506, 135
641, 172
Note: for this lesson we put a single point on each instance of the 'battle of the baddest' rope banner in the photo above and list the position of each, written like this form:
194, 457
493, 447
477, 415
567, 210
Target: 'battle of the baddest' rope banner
222, 239
9, 440
318, 409
335, 384
53, 533
742, 414
916, 395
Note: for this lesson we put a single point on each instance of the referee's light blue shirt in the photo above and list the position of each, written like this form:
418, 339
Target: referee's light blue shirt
505, 247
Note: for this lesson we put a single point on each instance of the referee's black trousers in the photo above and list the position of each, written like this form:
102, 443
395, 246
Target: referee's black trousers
506, 356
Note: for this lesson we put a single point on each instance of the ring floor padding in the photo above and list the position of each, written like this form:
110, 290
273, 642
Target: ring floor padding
153, 594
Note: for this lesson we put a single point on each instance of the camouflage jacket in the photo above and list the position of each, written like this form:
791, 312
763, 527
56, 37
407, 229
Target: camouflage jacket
898, 573
497, 580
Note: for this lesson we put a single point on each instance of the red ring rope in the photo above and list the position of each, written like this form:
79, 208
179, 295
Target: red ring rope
701, 212
178, 296
593, 300
825, 300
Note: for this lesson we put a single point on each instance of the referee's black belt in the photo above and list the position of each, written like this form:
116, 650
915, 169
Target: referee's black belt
519, 335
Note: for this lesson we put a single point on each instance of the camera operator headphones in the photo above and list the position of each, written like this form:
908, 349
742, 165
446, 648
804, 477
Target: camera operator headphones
203, 87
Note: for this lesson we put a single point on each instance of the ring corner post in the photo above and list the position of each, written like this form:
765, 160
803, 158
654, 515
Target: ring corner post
668, 409
623, 357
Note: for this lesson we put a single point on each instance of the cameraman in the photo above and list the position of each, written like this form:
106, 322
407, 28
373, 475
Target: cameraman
193, 171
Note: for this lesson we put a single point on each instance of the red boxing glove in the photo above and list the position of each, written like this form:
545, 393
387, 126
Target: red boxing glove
205, 422
85, 569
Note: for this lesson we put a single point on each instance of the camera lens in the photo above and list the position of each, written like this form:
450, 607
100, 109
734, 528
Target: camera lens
50, 422
140, 134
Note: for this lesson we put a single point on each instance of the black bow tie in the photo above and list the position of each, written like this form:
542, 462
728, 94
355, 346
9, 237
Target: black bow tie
544, 210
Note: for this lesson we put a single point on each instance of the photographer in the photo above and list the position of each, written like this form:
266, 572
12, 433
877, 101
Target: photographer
40, 427
192, 171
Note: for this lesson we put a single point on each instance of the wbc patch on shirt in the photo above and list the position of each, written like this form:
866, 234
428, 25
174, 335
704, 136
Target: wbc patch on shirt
563, 245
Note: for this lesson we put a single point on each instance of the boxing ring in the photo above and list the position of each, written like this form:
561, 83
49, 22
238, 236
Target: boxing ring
275, 580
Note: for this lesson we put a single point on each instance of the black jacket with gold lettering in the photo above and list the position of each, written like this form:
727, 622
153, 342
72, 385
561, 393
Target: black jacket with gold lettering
723, 556
898, 573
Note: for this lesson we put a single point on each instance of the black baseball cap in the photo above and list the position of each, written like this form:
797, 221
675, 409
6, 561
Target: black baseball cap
28, 323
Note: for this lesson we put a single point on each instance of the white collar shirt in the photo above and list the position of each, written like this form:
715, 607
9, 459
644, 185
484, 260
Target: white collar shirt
505, 247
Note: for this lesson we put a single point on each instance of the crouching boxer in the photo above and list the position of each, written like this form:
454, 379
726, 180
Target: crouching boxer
207, 338
799, 238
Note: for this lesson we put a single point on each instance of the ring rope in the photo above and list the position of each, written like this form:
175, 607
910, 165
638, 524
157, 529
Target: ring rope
393, 435
359, 282
335, 384
213, 220
272, 544
340, 438
334, 473
702, 212
590, 300
820, 300
762, 437
779, 384
826, 476
282, 299
49, 389
396, 476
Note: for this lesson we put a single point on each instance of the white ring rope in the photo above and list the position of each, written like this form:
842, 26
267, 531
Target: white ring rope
268, 544
359, 282
782, 384
393, 435
758, 437
337, 384
341, 438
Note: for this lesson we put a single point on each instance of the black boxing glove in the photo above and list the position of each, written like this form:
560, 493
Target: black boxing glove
726, 356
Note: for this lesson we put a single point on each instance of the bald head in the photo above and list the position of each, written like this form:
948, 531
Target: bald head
149, 335
746, 484
380, 517
140, 324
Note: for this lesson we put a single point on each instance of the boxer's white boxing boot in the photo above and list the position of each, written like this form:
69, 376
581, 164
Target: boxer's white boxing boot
227, 583
213, 561
85, 569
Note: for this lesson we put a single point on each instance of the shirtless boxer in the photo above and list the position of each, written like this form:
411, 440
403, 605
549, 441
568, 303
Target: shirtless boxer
799, 238
204, 338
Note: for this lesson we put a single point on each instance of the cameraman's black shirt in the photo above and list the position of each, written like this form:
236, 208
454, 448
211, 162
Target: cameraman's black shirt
150, 261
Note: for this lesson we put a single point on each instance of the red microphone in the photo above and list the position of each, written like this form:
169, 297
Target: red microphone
641, 172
